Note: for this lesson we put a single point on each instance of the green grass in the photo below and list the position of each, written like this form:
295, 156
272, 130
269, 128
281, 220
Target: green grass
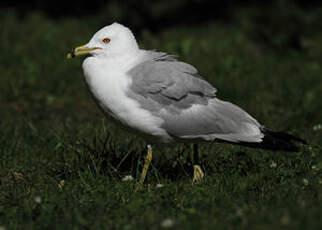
62, 162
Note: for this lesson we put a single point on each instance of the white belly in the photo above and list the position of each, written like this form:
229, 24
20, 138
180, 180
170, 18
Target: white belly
110, 92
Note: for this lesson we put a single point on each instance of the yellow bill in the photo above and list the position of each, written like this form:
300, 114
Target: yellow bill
80, 50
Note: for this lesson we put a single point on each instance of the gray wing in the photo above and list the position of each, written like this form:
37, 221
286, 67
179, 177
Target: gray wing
170, 82
188, 105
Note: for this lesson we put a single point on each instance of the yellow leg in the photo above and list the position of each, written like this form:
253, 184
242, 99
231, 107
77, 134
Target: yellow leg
198, 174
147, 162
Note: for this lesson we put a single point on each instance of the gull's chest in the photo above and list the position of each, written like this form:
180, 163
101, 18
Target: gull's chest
108, 90
109, 87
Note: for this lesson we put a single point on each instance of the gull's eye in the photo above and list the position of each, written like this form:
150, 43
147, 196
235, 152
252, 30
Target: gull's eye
106, 40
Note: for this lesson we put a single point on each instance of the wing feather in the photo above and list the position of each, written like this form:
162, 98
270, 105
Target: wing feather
174, 91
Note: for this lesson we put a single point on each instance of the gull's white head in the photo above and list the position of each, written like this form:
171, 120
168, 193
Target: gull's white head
110, 41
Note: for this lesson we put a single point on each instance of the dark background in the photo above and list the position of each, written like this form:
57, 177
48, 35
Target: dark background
277, 24
158, 14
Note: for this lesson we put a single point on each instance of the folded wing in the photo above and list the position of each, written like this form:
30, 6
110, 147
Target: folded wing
175, 92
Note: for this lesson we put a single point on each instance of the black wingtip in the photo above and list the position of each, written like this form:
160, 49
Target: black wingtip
281, 141
277, 141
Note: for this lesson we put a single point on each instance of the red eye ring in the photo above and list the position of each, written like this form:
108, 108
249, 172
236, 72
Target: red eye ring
106, 40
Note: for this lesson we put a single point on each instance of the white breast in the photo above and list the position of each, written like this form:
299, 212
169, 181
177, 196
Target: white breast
108, 83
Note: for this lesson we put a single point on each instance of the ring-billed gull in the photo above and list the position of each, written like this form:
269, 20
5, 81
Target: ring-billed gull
166, 99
